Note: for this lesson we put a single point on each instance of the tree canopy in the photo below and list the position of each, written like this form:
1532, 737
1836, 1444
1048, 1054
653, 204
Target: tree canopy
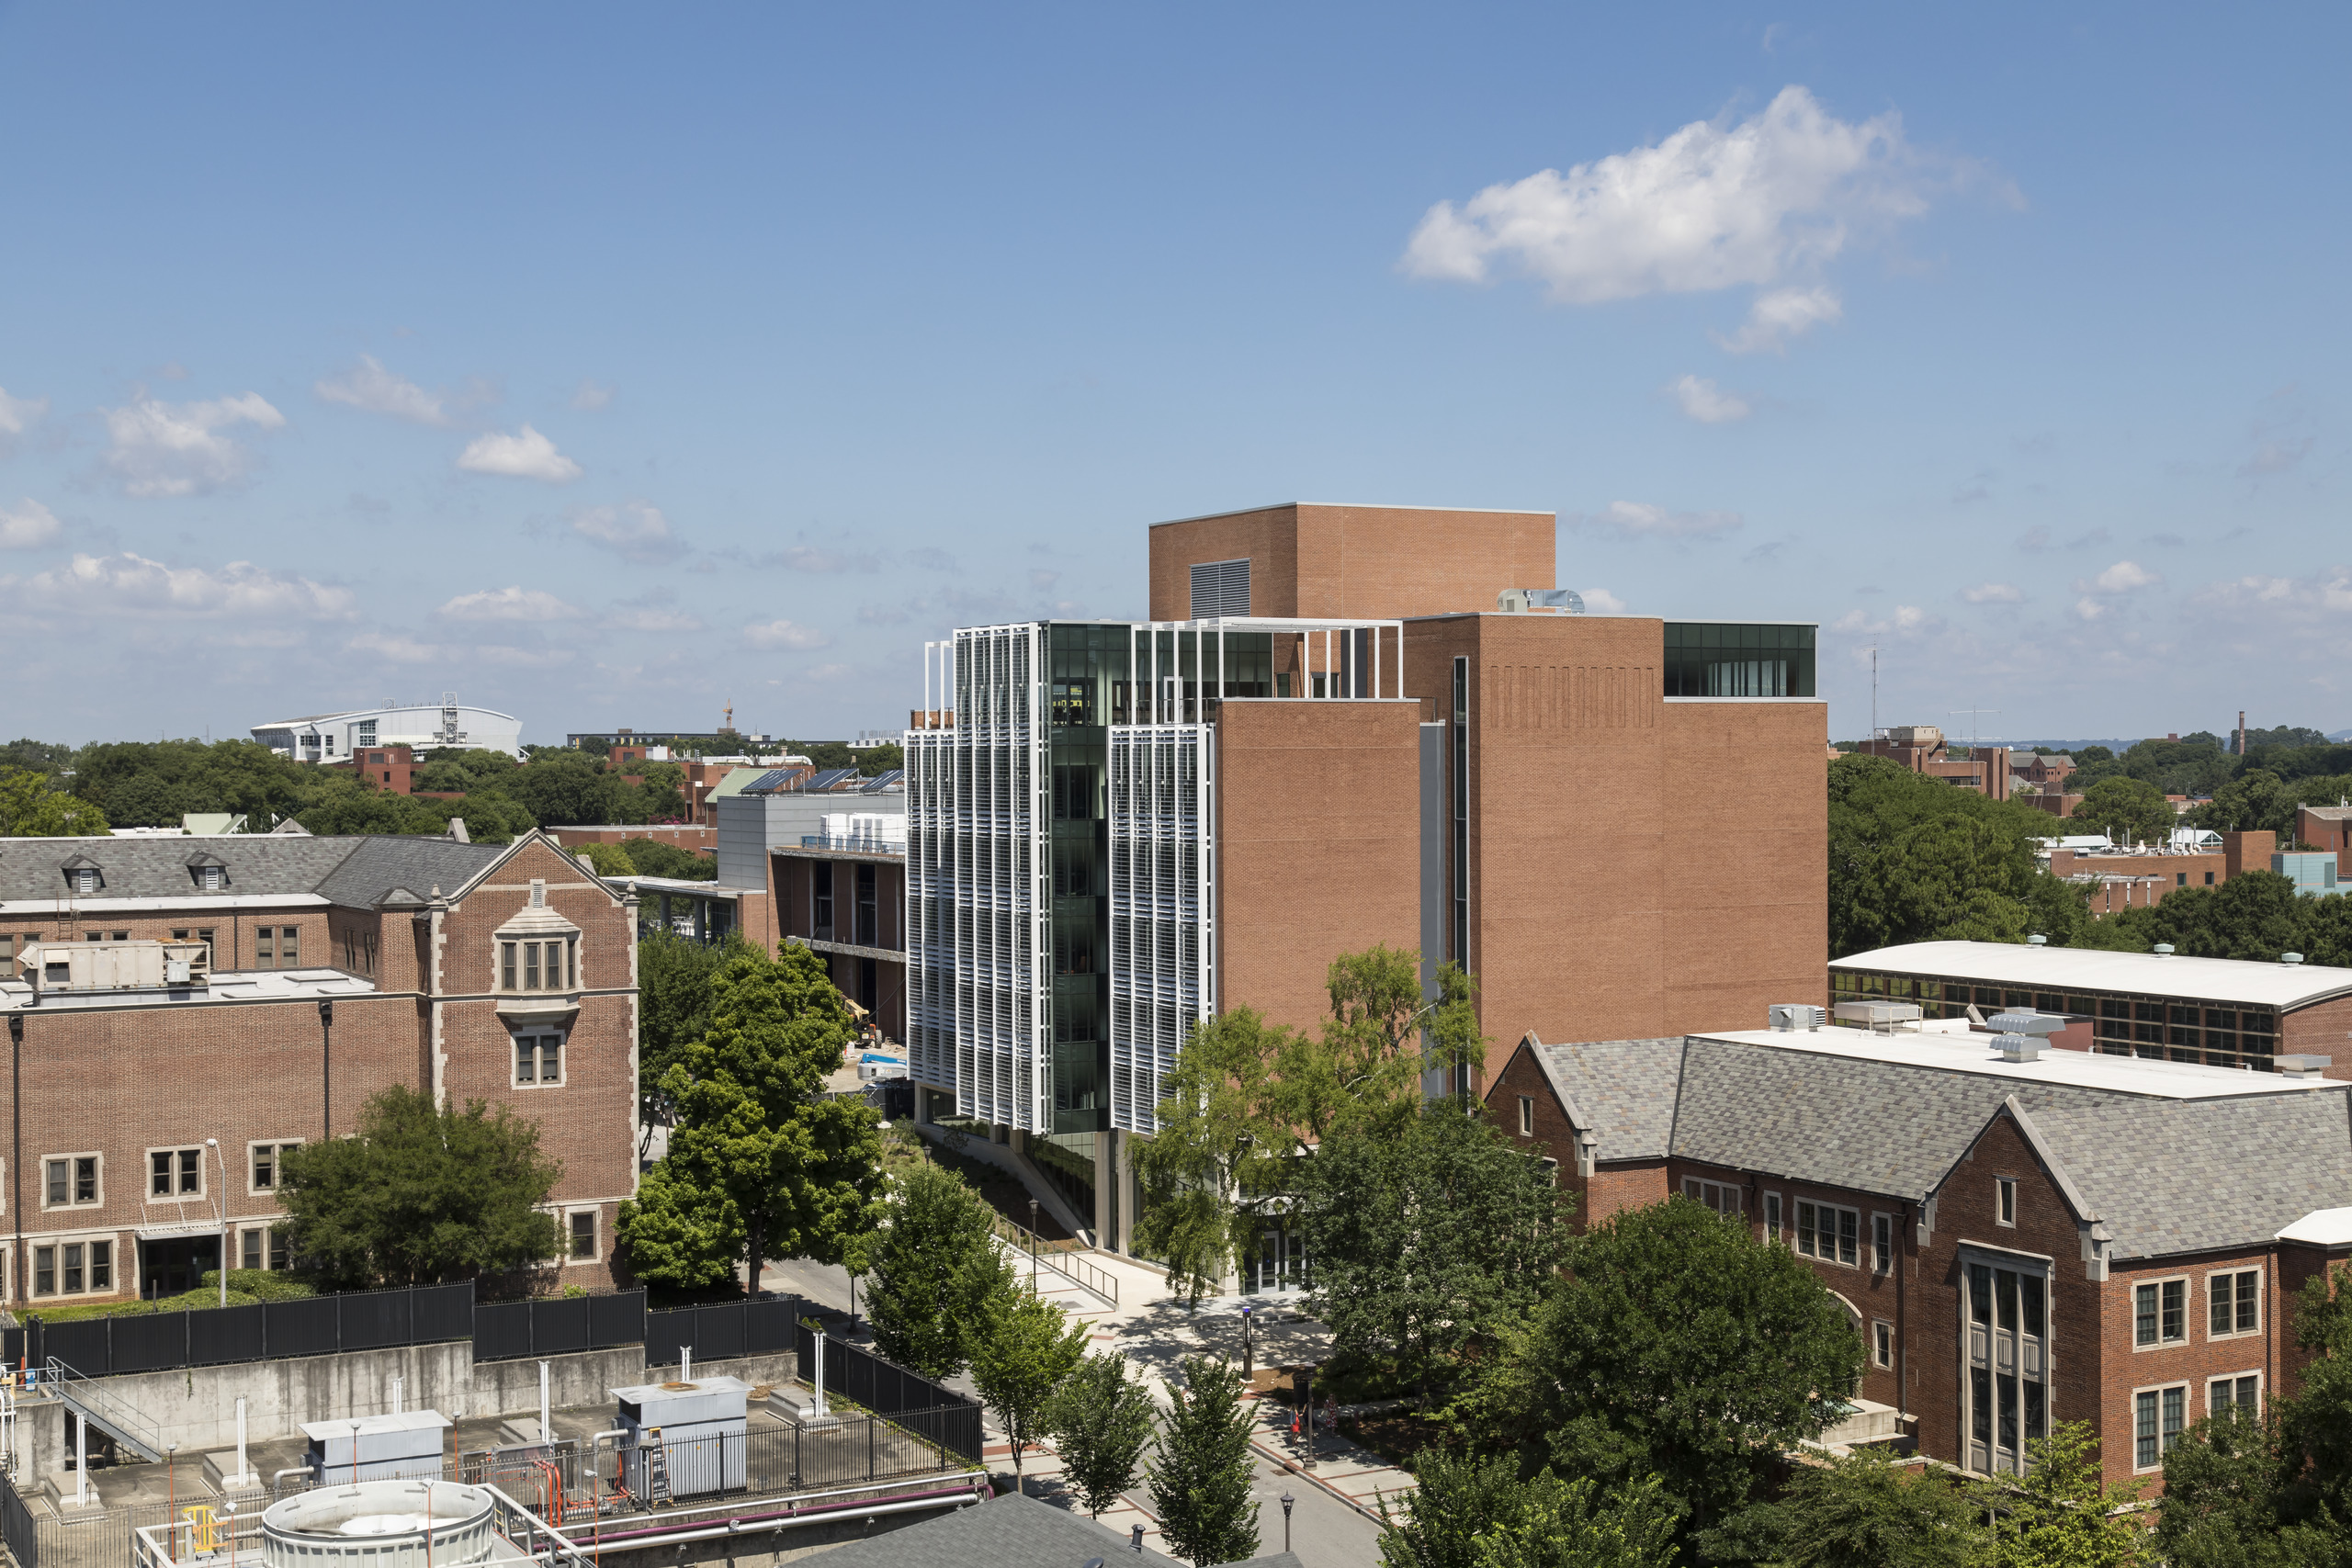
1247, 1096
762, 1164
30, 808
421, 1194
2127, 810
1913, 859
931, 1271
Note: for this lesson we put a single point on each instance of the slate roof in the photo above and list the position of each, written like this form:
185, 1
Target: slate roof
2169, 1157
356, 870
1621, 1090
1013, 1531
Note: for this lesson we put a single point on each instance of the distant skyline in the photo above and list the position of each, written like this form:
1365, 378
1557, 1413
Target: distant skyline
606, 365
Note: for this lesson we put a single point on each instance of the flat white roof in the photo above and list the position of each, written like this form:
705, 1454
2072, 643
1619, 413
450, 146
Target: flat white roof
226, 986
2075, 1069
2324, 1228
2080, 968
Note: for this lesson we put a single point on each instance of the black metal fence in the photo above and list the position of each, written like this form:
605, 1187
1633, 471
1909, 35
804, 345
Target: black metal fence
721, 1332
17, 1527
324, 1325
938, 1413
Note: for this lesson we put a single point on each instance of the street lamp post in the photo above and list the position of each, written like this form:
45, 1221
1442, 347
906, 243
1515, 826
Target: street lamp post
326, 1067
220, 1208
1287, 1501
1249, 1350
1033, 1246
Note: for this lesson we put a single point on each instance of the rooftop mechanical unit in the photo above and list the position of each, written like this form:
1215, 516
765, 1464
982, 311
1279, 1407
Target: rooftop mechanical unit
374, 1448
698, 1428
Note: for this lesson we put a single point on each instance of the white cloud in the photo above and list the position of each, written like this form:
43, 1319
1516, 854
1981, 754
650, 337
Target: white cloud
111, 585
2276, 456
819, 560
785, 634
2326, 592
590, 397
1908, 620
1640, 520
1773, 319
162, 450
2124, 577
526, 455
508, 605
1713, 206
636, 529
397, 648
1709, 404
521, 658
28, 527
17, 413
1601, 602
646, 619
1993, 594
377, 391
2089, 609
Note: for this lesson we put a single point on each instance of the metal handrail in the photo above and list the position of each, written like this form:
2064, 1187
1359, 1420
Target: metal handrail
102, 1408
863, 842
1021, 1238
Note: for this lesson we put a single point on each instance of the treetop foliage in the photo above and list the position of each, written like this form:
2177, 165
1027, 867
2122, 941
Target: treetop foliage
153, 784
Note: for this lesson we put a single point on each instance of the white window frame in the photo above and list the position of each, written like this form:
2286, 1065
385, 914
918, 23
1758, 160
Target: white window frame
1881, 1258
2190, 1304
2261, 1388
2158, 1391
70, 1202
1775, 1220
1695, 1187
2205, 1300
278, 1148
1526, 1115
1882, 1346
595, 1234
203, 1175
59, 1241
2004, 1202
1830, 1256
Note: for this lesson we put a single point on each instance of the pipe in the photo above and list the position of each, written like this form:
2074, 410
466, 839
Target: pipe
779, 1519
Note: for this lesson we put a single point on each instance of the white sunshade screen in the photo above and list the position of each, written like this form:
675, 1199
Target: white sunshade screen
1220, 589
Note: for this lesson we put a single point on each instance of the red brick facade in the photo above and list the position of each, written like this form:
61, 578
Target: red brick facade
418, 999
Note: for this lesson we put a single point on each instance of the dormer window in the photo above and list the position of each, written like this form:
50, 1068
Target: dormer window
209, 877
548, 966
86, 879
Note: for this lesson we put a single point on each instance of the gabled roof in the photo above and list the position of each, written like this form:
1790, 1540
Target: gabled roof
1013, 1531
1621, 1091
356, 870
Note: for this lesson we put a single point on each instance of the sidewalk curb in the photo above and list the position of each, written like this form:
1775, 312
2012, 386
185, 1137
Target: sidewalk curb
1285, 1463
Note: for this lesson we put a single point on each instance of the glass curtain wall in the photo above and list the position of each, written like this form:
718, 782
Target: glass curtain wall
1738, 660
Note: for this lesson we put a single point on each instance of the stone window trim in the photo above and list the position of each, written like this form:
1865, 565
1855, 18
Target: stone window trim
568, 1243
2190, 1305
2004, 1202
1835, 1227
73, 1176
174, 1174
511, 977
271, 1151
547, 1044
1775, 1220
2154, 1392
1882, 1342
1882, 1242
54, 1244
2261, 1387
2205, 1300
1526, 1115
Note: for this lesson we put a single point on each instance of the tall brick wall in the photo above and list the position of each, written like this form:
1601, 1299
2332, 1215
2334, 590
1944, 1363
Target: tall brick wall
1369, 562
1317, 846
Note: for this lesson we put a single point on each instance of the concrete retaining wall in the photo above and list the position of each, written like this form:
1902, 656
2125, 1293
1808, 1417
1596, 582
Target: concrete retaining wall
197, 1407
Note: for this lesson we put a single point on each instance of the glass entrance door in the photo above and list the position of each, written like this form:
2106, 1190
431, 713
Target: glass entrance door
2008, 1348
1282, 1260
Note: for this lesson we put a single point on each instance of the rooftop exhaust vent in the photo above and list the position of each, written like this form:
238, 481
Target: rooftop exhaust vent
1794, 1017
2303, 1066
2018, 1047
2025, 1022
2037, 940
2164, 950
2291, 958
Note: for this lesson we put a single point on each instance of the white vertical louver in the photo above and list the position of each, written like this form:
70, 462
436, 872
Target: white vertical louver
1163, 886
979, 985
1220, 590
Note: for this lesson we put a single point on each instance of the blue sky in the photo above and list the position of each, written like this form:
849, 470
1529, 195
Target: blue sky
607, 365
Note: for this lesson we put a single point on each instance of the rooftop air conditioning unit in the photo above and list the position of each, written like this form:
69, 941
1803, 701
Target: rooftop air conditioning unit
2302, 1066
1794, 1017
1880, 1018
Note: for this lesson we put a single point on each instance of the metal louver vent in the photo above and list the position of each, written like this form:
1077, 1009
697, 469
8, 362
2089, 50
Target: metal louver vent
1220, 588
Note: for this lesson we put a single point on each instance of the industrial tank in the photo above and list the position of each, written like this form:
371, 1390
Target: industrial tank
383, 1522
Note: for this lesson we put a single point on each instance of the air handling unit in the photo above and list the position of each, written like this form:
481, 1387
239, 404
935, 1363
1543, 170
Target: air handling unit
374, 1448
683, 1439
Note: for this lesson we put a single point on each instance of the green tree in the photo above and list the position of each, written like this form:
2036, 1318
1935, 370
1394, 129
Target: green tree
1471, 1511
1428, 1235
1679, 1346
673, 990
652, 857
607, 860
1912, 859
1200, 1477
421, 1194
41, 757
875, 761
758, 1151
1863, 1511
2060, 1513
1100, 1421
2127, 808
563, 788
29, 808
1025, 1348
1247, 1097
932, 1268
2254, 916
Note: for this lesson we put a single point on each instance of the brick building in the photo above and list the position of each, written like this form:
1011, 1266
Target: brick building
1923, 748
180, 1012
389, 768
2132, 878
1328, 736
2222, 1011
2019, 1242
